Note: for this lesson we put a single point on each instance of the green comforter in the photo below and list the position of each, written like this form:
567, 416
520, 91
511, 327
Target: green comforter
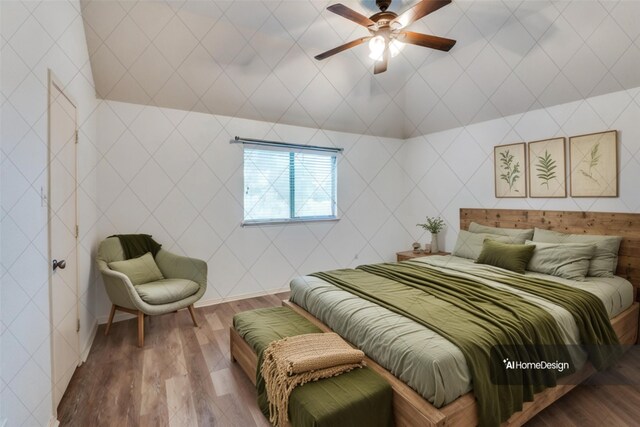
476, 317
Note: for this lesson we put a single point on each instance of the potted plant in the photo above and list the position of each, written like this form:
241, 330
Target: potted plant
433, 225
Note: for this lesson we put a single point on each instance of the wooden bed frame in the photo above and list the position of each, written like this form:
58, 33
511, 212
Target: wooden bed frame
410, 408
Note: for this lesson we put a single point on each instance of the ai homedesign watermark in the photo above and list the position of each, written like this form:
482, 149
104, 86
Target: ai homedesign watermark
539, 366
531, 364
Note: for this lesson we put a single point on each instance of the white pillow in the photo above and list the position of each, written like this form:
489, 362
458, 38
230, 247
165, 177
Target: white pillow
469, 245
518, 235
568, 260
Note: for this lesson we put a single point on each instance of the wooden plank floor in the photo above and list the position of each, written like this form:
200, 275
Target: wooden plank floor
183, 377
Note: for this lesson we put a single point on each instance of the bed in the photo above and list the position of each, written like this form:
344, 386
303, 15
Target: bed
419, 377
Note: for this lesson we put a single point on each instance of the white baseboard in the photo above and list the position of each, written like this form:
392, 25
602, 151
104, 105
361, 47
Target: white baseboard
89, 343
214, 301
53, 422
120, 316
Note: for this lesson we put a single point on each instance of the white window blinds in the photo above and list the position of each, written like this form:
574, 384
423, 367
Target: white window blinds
284, 184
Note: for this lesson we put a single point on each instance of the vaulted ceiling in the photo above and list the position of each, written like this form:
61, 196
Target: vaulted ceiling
254, 59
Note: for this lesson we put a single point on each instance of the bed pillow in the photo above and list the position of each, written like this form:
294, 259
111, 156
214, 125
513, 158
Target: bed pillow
139, 270
469, 245
605, 257
567, 260
510, 256
518, 235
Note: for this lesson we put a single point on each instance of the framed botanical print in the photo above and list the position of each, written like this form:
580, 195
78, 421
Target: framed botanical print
547, 173
509, 163
593, 161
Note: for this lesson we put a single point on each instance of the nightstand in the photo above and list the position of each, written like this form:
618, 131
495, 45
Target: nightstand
403, 256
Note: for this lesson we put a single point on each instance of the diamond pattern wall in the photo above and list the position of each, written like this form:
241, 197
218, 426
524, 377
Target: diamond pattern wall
35, 36
459, 165
172, 172
511, 57
175, 175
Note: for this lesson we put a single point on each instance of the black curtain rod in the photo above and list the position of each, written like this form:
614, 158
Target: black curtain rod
239, 140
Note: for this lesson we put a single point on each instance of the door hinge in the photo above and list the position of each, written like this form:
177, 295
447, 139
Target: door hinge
77, 231
78, 326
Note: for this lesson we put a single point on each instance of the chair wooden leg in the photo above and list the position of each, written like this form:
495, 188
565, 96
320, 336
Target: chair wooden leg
113, 311
193, 315
140, 329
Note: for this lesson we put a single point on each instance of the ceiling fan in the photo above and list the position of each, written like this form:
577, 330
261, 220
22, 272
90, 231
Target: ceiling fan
387, 31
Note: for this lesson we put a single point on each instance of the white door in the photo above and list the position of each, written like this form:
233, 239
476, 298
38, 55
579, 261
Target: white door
62, 239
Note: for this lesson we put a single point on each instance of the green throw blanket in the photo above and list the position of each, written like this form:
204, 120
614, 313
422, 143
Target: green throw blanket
477, 317
136, 245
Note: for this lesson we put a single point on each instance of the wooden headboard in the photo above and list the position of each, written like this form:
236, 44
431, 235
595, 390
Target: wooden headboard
626, 225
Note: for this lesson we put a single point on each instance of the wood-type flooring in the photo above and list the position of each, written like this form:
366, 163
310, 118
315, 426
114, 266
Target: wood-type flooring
184, 377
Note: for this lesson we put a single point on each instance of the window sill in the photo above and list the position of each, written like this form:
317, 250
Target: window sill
286, 221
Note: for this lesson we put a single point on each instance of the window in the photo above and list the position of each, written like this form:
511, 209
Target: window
284, 184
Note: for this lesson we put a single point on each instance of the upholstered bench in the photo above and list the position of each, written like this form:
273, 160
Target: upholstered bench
357, 398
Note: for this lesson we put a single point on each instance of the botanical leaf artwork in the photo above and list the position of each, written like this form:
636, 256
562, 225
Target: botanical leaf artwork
592, 162
546, 168
511, 169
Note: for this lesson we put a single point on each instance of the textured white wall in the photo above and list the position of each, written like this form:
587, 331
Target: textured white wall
173, 174
454, 169
3, 420
37, 36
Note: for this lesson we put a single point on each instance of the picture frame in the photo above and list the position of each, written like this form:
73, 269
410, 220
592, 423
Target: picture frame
547, 168
509, 165
593, 164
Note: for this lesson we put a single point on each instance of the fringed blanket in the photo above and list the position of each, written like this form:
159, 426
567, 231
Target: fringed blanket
296, 360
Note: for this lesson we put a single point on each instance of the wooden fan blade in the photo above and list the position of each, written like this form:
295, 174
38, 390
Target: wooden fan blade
345, 12
425, 40
420, 10
381, 66
340, 48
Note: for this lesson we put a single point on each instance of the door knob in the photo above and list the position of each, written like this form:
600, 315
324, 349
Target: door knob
59, 264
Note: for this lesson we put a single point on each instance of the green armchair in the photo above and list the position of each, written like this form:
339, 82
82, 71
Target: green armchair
184, 283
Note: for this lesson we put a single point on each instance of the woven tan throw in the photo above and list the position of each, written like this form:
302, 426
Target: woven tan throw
294, 361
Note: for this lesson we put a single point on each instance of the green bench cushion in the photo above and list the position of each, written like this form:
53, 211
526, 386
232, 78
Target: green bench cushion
358, 398
260, 327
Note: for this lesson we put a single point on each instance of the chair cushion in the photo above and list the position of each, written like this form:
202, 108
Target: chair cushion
166, 291
139, 270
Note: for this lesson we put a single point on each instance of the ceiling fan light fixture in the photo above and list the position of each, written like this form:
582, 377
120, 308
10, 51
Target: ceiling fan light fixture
377, 45
388, 33
395, 47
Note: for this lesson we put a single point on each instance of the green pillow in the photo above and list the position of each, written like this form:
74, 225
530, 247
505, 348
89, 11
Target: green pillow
469, 245
518, 235
138, 270
605, 257
509, 256
568, 260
